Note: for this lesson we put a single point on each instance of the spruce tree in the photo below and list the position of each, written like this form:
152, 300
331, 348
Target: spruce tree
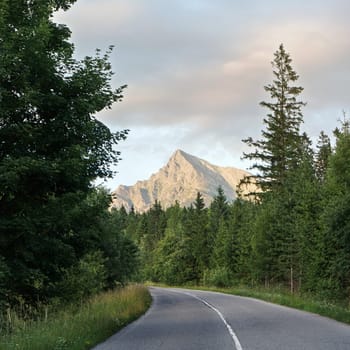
222, 250
334, 257
279, 148
324, 150
173, 256
218, 209
242, 235
197, 230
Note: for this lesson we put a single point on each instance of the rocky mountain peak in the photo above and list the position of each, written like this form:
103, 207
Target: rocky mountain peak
179, 180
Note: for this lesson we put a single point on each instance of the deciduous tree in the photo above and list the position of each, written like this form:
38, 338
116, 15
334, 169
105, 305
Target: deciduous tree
52, 146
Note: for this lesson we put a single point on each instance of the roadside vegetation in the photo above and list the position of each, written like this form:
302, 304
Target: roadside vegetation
75, 327
59, 244
337, 311
290, 233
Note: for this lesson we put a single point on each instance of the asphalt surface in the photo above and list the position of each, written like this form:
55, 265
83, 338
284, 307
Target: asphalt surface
181, 319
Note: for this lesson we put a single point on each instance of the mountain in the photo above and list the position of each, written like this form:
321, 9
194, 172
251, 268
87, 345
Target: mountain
179, 180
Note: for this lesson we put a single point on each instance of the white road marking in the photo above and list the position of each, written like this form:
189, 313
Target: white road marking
232, 333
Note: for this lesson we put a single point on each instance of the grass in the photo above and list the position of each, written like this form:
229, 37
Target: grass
78, 327
302, 302
82, 327
280, 296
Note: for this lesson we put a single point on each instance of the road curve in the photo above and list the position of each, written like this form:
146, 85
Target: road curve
181, 319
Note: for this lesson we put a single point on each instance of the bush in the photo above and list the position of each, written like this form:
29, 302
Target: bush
86, 278
218, 277
4, 276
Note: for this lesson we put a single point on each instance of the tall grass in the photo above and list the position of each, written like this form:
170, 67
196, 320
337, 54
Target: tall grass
307, 302
337, 311
77, 327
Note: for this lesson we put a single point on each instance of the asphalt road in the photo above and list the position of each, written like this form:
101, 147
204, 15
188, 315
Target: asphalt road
182, 319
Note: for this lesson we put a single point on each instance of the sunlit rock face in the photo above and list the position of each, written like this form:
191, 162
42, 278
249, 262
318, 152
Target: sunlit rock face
179, 180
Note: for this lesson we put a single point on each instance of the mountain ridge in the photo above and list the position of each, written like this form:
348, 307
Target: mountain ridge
179, 180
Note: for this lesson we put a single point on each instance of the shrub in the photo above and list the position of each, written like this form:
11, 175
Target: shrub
87, 277
4, 276
218, 277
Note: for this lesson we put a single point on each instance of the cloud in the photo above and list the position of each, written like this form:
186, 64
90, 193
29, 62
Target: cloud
196, 69
228, 89
91, 18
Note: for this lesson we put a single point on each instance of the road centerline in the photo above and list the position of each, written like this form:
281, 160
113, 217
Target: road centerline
233, 335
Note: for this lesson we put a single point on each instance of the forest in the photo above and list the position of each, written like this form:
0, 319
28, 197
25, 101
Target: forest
292, 231
59, 241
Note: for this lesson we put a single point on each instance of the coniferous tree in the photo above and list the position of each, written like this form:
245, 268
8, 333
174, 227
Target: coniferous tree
277, 154
218, 210
151, 231
156, 221
241, 235
286, 227
267, 245
218, 238
174, 258
198, 204
301, 198
222, 250
196, 227
334, 258
279, 149
324, 151
131, 229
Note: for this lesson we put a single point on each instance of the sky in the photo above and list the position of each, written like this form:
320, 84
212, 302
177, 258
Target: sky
196, 71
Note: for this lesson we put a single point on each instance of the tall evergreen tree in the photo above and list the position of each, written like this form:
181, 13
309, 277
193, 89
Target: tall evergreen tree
286, 227
303, 186
335, 254
241, 234
324, 151
151, 232
267, 243
218, 216
131, 229
218, 210
156, 223
222, 250
279, 149
196, 228
300, 197
174, 262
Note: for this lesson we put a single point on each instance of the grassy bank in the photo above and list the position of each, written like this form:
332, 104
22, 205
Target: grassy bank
78, 328
308, 303
302, 302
